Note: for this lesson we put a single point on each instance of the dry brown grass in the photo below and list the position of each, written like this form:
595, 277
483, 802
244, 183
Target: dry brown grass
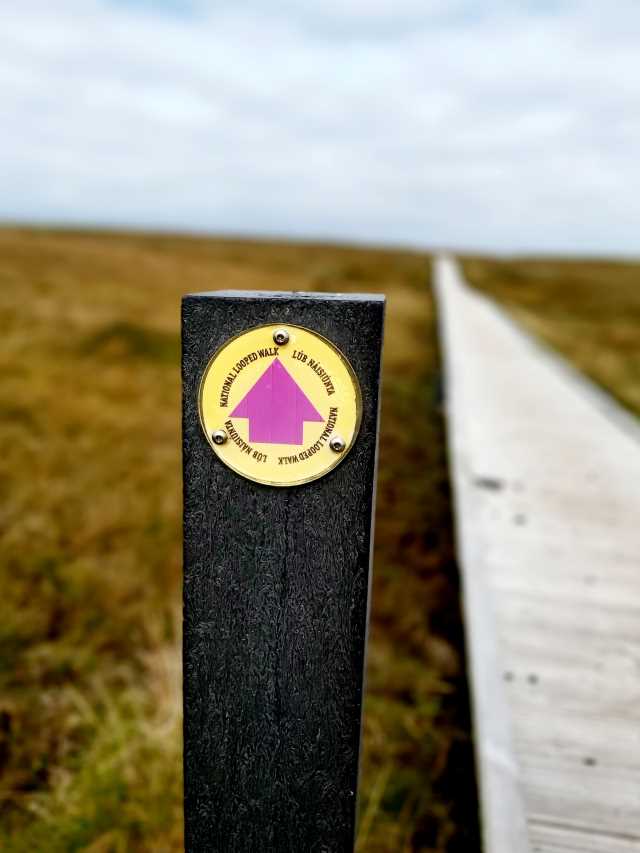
588, 310
90, 542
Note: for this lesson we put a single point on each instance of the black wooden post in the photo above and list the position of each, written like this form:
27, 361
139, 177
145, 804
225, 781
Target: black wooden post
276, 587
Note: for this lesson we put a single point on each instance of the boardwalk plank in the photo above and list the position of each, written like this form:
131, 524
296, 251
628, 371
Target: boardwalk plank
546, 478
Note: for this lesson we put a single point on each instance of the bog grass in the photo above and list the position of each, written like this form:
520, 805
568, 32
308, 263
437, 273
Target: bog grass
90, 722
589, 311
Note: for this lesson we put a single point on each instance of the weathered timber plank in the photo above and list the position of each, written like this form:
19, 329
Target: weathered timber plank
504, 826
562, 839
550, 469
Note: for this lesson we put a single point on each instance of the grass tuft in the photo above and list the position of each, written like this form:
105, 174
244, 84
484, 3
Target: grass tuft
122, 340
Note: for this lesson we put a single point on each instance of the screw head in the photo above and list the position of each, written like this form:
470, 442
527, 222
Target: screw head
219, 436
281, 337
337, 443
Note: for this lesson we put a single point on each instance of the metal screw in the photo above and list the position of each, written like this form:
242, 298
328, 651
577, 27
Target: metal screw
219, 436
281, 337
337, 444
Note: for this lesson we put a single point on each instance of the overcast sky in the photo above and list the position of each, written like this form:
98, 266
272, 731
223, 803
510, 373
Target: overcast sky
460, 123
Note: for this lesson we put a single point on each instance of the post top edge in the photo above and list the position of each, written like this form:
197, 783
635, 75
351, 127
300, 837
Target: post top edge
287, 294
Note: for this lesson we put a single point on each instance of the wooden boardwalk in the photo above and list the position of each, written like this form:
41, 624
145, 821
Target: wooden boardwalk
547, 491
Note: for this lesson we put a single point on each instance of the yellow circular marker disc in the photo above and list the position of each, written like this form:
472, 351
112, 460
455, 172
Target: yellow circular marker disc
280, 405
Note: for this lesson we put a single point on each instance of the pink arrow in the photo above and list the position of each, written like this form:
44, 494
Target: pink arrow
277, 408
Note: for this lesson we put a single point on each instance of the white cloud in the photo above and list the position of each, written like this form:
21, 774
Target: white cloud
415, 121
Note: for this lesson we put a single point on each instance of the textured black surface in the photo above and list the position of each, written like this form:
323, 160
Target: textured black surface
276, 585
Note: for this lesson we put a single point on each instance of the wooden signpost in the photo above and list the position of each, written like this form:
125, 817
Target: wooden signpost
280, 427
